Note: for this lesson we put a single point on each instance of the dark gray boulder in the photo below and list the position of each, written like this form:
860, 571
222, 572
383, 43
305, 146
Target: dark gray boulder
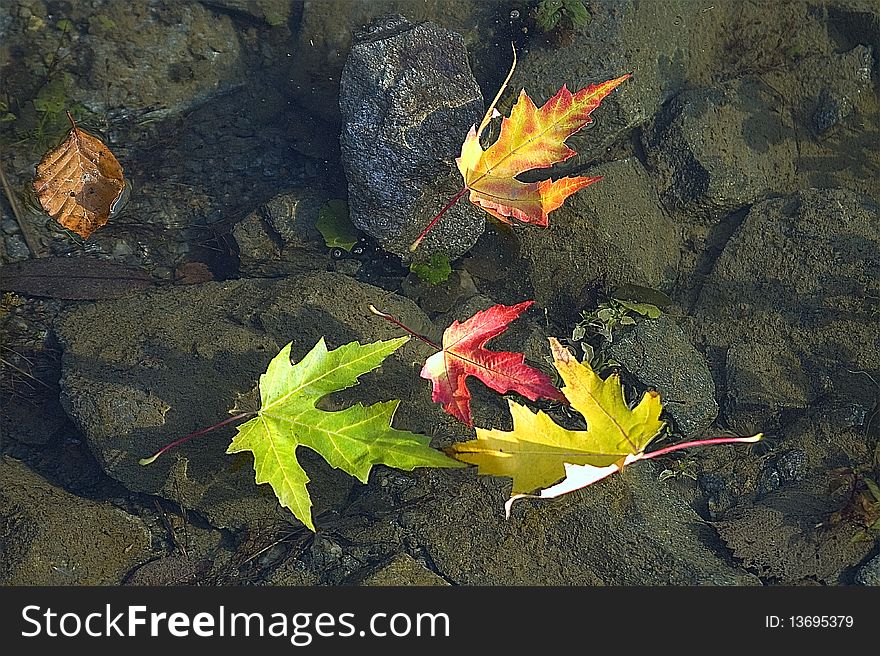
800, 278
717, 149
408, 99
280, 238
181, 358
869, 573
615, 231
658, 354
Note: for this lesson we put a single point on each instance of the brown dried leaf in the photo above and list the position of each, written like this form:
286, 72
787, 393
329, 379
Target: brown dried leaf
73, 278
79, 182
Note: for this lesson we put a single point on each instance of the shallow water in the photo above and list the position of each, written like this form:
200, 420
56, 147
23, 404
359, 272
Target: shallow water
739, 187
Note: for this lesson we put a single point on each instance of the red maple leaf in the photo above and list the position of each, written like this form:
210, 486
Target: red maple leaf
463, 355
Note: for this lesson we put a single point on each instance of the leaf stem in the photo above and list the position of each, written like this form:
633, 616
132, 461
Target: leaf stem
388, 317
711, 440
436, 218
30, 239
187, 438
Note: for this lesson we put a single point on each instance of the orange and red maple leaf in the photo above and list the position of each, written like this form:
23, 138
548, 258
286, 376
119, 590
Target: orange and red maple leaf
530, 138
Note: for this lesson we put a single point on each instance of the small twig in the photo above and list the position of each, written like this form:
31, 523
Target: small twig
172, 533
25, 373
287, 536
29, 237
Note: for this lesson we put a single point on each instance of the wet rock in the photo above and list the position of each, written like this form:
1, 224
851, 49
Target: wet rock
169, 570
789, 467
719, 495
659, 355
180, 358
403, 570
798, 276
763, 380
295, 575
16, 248
836, 111
51, 537
626, 530
792, 465
869, 573
783, 537
817, 447
718, 149
275, 13
615, 231
830, 110
192, 52
664, 44
442, 296
498, 267
280, 237
325, 35
826, 90
407, 96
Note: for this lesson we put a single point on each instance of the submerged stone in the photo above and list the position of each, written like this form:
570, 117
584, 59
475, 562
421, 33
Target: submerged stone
182, 358
657, 352
52, 537
408, 99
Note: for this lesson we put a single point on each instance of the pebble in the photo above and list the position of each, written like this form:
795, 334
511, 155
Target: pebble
869, 573
792, 466
16, 248
830, 111
121, 249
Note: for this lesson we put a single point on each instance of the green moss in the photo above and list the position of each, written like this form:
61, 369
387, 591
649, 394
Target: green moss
434, 271
101, 24
47, 122
5, 115
274, 19
609, 315
550, 13
335, 226
53, 97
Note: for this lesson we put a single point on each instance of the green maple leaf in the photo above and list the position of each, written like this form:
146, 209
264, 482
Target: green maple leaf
353, 439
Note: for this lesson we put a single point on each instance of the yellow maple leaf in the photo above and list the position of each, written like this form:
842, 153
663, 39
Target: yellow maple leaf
539, 454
